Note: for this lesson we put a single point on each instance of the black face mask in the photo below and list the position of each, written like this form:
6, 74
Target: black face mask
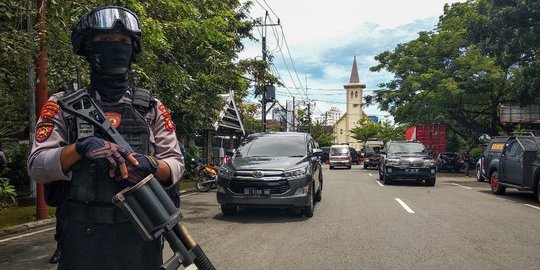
110, 57
109, 62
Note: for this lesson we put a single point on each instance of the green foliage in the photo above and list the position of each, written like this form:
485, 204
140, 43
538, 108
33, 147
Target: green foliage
481, 54
476, 152
385, 130
322, 134
192, 154
19, 215
7, 193
16, 167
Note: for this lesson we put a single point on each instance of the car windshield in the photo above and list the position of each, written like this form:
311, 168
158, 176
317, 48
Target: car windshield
338, 150
272, 146
407, 148
449, 155
373, 149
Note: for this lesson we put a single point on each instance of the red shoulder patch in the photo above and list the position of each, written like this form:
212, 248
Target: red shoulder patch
114, 118
169, 125
44, 131
49, 110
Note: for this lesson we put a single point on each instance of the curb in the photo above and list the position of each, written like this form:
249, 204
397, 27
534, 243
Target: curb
27, 226
52, 220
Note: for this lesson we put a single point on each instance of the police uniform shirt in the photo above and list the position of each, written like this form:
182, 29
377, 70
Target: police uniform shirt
51, 136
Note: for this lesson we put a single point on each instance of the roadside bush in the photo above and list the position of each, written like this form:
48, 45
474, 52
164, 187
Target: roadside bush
476, 153
192, 153
7, 193
15, 169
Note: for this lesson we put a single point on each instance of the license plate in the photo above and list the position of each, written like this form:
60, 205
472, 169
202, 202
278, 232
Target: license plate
411, 170
256, 192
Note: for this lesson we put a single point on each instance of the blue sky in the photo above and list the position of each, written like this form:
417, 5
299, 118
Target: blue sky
316, 41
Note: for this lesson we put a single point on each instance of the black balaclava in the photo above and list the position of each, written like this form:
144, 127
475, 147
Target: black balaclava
109, 63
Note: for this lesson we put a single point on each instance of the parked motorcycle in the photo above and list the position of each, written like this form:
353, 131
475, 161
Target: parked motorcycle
206, 176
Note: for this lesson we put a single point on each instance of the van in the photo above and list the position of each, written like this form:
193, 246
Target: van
340, 155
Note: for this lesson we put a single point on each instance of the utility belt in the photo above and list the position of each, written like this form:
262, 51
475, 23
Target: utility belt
94, 212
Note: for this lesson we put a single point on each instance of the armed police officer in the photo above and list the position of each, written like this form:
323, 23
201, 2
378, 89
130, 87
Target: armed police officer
95, 233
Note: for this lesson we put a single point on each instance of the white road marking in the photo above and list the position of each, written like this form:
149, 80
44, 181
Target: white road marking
25, 235
460, 186
407, 208
189, 194
370, 174
535, 207
380, 184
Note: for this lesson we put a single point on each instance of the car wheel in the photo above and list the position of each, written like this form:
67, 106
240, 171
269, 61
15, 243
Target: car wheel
479, 176
228, 210
331, 167
349, 167
538, 189
308, 210
431, 181
387, 180
496, 186
365, 166
318, 195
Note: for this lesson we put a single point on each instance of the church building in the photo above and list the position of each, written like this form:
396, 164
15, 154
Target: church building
355, 112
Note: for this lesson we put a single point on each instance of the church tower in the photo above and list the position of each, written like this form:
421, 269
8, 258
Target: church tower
355, 93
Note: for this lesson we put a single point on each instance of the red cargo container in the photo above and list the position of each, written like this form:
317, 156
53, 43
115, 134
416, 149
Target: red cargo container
432, 136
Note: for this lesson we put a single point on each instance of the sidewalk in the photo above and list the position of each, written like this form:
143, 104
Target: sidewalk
44, 222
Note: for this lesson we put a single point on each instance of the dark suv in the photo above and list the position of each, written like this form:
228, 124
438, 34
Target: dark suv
406, 160
448, 161
489, 160
279, 169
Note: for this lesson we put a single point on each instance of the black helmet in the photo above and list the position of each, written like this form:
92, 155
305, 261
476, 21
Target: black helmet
104, 19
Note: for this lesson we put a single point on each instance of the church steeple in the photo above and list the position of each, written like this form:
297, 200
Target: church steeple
354, 73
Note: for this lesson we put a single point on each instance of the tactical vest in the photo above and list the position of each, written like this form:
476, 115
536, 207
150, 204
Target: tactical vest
90, 181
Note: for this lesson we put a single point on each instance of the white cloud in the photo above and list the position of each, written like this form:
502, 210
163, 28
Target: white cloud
324, 36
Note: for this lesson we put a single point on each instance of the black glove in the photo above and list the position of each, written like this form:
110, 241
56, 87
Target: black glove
95, 148
147, 165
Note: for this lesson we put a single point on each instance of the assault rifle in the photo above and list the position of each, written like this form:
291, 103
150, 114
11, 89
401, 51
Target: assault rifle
146, 204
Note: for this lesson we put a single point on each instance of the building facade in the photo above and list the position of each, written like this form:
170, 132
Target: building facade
355, 112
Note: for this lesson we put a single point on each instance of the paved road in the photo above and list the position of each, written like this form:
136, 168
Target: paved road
360, 224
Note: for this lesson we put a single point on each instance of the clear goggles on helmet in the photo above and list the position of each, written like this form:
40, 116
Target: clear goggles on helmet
105, 19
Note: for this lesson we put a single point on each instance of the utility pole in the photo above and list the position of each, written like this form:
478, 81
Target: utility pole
293, 115
31, 88
309, 116
262, 84
42, 211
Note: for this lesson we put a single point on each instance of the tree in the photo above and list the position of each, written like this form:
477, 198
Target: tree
385, 130
322, 134
455, 75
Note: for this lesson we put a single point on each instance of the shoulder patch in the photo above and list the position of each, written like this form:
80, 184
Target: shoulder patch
44, 131
114, 118
49, 110
169, 125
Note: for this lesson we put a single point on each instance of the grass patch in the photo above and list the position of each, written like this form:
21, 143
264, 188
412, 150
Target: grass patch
187, 184
19, 215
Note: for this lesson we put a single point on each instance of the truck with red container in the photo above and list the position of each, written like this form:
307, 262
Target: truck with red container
432, 136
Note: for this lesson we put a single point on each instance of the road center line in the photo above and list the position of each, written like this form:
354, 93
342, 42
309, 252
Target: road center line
370, 174
379, 183
460, 186
24, 235
535, 207
407, 208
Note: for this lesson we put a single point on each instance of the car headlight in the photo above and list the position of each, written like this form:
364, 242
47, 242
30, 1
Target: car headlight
428, 163
296, 173
392, 161
225, 173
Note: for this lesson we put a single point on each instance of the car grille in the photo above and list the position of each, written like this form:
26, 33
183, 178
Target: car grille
411, 162
276, 187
